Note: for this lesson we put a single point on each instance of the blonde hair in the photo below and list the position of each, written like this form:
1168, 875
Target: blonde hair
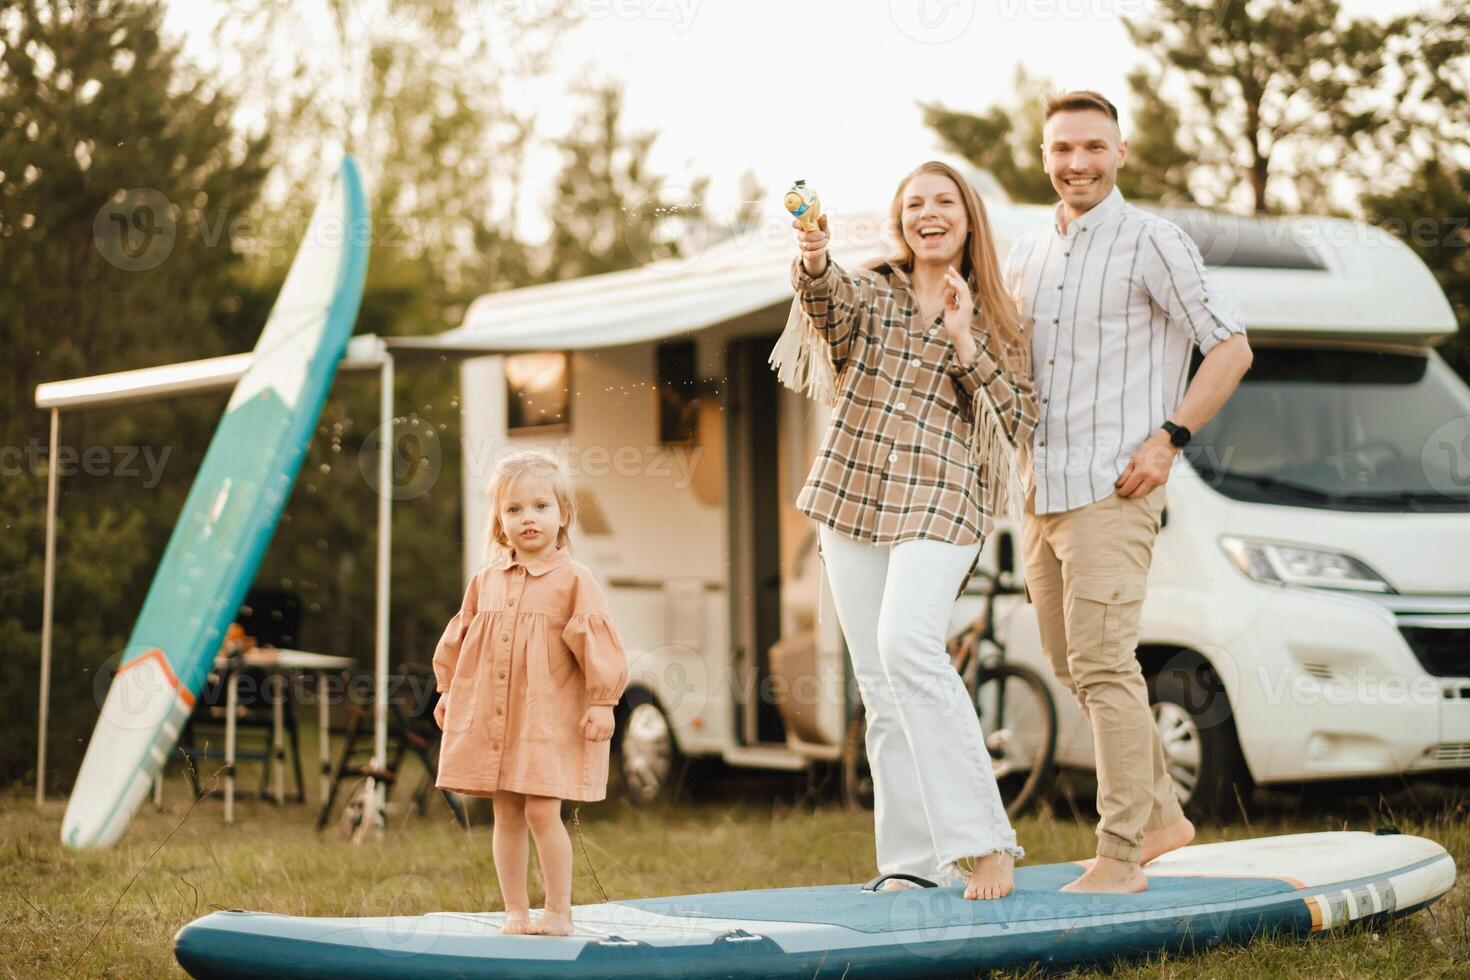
978, 262
511, 468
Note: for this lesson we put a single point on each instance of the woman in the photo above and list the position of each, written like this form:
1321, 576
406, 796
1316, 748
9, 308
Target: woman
923, 360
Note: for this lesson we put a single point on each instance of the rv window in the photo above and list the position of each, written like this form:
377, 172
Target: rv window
677, 379
1341, 429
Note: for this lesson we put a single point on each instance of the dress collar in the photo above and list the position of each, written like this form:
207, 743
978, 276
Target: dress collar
540, 564
1100, 212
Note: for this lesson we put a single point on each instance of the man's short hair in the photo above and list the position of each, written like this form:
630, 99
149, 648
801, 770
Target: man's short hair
1082, 100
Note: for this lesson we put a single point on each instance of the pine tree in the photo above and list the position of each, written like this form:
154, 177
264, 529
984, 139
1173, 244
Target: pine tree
120, 176
609, 211
1005, 139
1262, 82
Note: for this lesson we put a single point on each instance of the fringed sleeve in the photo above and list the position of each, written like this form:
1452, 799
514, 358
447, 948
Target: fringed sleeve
594, 641
446, 654
820, 330
1002, 405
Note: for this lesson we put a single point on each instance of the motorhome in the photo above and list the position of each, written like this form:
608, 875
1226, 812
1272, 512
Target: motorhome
1308, 614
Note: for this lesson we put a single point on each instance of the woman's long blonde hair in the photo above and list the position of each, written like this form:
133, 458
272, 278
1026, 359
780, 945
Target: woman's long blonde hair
535, 463
978, 262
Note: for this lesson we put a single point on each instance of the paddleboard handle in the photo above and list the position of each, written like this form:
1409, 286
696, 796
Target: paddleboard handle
877, 882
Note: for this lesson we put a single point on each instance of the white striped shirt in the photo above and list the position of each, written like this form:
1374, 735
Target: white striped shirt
1115, 308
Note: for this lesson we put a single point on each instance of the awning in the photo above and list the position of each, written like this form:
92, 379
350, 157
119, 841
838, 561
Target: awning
743, 274
364, 352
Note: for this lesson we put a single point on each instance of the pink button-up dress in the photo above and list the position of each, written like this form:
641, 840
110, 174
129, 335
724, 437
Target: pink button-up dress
531, 647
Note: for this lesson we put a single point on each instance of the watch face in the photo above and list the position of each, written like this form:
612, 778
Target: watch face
1179, 435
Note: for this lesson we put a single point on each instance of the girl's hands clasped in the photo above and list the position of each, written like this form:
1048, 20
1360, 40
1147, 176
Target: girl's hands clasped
813, 245
597, 723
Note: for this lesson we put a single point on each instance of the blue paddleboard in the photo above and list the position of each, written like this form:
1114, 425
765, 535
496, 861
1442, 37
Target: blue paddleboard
228, 518
1198, 897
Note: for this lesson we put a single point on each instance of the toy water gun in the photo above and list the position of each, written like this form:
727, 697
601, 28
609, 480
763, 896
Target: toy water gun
803, 204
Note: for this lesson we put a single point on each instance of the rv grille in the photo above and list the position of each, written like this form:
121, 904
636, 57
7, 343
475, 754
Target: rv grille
1442, 652
1452, 752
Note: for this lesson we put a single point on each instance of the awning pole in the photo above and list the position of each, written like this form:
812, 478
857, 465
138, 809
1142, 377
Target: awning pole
378, 790
48, 590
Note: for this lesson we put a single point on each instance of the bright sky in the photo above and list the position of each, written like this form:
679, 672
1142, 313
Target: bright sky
825, 90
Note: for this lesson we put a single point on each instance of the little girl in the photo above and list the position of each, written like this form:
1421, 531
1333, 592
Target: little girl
529, 671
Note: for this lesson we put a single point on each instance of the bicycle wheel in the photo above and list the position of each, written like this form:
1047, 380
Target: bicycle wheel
857, 776
1019, 720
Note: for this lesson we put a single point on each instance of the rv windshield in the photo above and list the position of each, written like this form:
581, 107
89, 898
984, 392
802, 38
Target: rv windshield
1343, 430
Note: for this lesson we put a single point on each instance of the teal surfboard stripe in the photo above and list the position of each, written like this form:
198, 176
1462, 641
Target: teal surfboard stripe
235, 502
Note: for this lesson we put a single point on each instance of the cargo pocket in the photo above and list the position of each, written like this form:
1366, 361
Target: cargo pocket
1103, 615
461, 711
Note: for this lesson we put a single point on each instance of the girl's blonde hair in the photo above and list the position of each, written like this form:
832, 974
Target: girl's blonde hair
533, 463
978, 262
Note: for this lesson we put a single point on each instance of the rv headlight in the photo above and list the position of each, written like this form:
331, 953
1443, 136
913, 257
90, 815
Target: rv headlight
1292, 564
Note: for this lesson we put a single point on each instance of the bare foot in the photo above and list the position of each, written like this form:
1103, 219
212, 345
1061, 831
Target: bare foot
1110, 876
517, 923
992, 877
552, 924
1157, 843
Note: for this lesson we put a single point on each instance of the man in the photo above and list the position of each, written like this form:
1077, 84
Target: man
1115, 300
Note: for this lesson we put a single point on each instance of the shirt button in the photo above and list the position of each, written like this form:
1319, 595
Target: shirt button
1059, 287
495, 746
501, 711
504, 637
1066, 255
512, 602
915, 362
1056, 320
1051, 360
502, 675
900, 406
1040, 445
1043, 401
893, 457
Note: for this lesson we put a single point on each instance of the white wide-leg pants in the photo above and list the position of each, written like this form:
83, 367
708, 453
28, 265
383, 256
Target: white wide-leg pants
935, 795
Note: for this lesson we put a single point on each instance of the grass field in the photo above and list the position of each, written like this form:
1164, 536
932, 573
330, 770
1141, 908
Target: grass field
87, 915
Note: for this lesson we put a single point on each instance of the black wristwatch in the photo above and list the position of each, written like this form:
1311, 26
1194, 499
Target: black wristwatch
1178, 434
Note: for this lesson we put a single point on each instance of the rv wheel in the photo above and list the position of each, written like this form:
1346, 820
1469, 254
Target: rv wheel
648, 758
1201, 750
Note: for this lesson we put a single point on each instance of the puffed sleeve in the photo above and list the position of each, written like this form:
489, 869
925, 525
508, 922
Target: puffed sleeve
594, 641
446, 654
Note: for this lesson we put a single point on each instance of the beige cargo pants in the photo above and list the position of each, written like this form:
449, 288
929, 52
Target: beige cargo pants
1087, 572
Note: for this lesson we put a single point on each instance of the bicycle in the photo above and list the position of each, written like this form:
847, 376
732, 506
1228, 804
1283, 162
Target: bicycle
1017, 712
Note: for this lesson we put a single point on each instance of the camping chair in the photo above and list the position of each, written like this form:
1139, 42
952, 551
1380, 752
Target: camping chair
270, 617
411, 728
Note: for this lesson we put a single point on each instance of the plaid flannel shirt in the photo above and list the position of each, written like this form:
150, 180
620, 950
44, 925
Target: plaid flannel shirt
896, 463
